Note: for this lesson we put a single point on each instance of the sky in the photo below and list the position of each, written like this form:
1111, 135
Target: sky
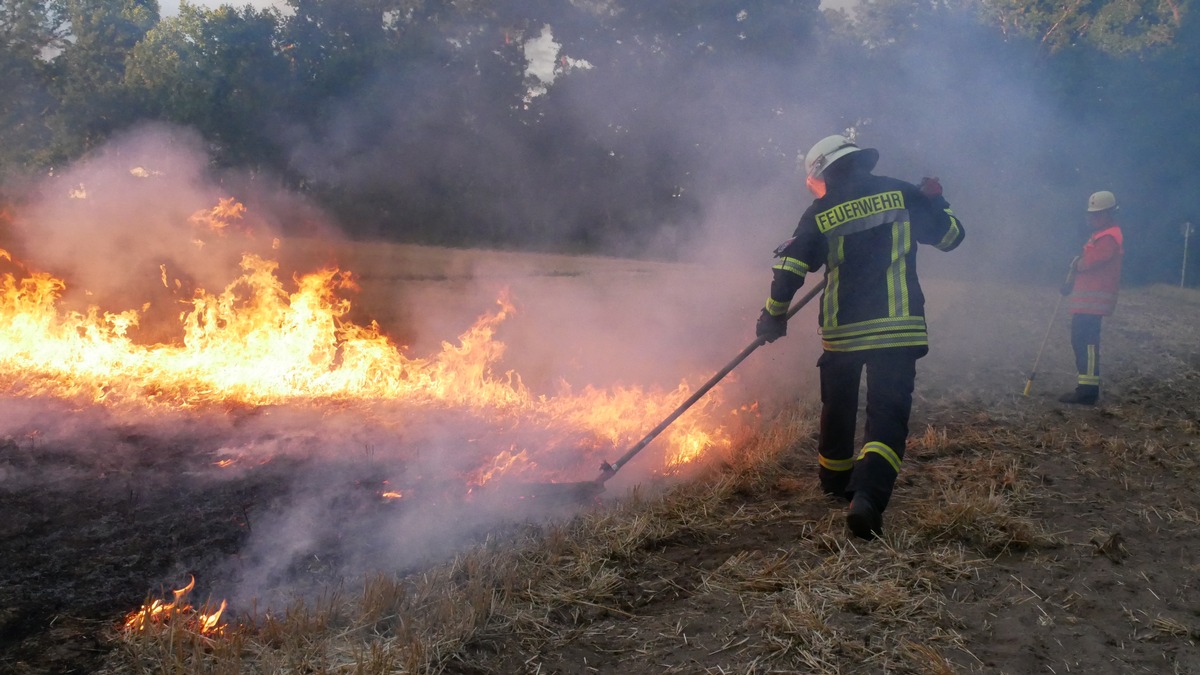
171, 7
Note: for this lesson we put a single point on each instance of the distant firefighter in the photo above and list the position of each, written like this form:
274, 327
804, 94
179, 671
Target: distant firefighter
1092, 289
864, 229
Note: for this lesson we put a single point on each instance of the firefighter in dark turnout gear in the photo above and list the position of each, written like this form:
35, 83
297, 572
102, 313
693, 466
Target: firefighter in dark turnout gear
864, 229
1092, 286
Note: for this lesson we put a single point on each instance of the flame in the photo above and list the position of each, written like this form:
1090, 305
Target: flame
159, 612
257, 342
228, 212
209, 622
260, 342
501, 464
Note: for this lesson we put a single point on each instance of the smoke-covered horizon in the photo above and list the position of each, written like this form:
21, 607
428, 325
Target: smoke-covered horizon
723, 138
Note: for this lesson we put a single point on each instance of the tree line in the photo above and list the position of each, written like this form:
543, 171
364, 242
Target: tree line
420, 120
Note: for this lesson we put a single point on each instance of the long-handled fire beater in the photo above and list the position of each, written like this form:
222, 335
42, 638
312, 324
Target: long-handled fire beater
587, 489
1065, 291
1045, 338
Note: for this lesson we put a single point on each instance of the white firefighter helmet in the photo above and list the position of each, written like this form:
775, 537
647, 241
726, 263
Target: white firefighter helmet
1101, 201
830, 149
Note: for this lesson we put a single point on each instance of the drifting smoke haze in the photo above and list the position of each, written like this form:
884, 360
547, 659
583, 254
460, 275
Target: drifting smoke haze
121, 224
725, 140
109, 224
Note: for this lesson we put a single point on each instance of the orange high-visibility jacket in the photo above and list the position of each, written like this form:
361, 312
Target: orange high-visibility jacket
1098, 273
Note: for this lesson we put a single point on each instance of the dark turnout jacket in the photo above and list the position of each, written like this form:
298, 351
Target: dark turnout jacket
865, 232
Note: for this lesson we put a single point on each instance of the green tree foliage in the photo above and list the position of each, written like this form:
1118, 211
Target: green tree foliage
26, 32
89, 71
335, 45
419, 119
474, 153
1114, 98
1112, 26
1141, 113
218, 71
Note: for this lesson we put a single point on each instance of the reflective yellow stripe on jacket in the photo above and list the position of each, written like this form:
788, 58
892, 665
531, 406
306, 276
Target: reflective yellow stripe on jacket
775, 307
899, 328
903, 331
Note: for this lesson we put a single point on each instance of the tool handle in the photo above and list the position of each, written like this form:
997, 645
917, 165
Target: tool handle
1045, 338
608, 470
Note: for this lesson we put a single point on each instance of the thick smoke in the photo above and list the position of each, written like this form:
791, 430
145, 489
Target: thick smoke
109, 224
722, 137
121, 227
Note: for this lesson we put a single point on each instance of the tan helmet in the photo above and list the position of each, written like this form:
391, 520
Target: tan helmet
827, 151
1101, 201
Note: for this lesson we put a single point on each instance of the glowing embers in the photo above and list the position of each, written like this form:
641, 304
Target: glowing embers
204, 620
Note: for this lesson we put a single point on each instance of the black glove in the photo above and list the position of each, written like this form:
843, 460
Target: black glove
770, 328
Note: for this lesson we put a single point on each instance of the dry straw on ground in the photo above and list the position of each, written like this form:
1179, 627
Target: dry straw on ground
1024, 537
814, 603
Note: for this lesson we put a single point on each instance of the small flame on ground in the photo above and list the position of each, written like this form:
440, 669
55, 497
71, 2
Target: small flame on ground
502, 464
157, 612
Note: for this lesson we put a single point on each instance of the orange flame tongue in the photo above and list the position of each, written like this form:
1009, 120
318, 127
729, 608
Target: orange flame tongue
220, 217
256, 343
158, 612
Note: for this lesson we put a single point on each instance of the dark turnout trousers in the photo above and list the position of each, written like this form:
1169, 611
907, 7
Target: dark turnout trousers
1085, 341
871, 471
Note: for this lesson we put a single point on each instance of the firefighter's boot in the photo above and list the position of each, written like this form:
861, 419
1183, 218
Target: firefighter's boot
864, 519
835, 483
1084, 394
